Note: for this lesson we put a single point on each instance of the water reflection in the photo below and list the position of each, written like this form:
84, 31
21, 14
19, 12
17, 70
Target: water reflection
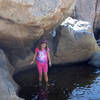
77, 82
88, 92
42, 95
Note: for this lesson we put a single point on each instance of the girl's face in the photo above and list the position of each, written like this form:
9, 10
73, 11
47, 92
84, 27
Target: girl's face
43, 45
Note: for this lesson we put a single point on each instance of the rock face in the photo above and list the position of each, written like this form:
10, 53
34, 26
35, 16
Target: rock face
97, 17
95, 60
88, 10
7, 85
85, 10
97, 21
22, 21
75, 42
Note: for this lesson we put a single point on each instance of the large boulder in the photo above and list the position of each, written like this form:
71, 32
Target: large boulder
8, 87
22, 21
74, 42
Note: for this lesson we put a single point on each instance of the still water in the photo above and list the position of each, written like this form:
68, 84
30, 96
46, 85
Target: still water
69, 82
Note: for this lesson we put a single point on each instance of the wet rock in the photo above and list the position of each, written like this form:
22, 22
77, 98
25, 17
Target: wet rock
8, 88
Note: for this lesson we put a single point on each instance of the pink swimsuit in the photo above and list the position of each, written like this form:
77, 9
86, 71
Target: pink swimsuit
42, 60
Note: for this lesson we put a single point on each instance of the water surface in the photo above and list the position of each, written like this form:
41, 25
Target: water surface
69, 82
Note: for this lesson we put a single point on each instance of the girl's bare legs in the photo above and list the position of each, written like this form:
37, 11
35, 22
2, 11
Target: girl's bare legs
46, 78
40, 78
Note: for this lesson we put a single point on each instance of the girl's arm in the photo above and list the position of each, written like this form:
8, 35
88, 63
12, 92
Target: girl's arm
34, 57
49, 58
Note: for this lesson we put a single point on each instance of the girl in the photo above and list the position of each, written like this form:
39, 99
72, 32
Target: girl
42, 57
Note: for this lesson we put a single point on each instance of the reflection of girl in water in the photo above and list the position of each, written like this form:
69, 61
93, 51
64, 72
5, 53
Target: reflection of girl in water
43, 95
42, 56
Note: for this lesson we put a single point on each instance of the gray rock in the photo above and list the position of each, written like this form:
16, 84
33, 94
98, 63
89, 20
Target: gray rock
97, 15
78, 27
88, 10
85, 10
97, 32
95, 60
24, 22
27, 20
7, 88
98, 41
74, 42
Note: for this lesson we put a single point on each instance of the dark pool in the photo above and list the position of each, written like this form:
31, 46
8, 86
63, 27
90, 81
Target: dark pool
69, 82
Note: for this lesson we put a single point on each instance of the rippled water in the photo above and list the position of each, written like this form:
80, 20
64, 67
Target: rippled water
73, 82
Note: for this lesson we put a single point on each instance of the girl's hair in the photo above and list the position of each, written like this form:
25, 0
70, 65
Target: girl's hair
43, 41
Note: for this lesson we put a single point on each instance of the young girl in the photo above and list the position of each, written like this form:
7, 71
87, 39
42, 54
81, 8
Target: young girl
42, 57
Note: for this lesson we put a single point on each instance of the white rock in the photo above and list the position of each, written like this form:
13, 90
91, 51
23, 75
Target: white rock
78, 26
